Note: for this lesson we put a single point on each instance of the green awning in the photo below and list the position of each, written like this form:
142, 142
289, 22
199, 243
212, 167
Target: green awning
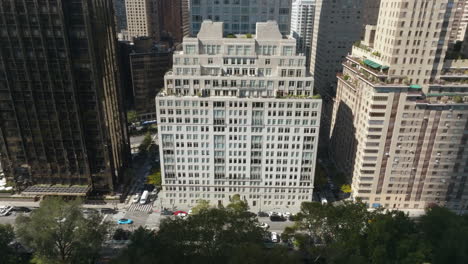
415, 86
385, 68
372, 64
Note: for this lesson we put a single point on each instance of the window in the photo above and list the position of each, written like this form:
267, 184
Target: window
287, 51
267, 61
230, 50
190, 49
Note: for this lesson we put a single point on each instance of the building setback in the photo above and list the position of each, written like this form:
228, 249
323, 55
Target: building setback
240, 16
237, 117
302, 25
399, 123
148, 66
61, 118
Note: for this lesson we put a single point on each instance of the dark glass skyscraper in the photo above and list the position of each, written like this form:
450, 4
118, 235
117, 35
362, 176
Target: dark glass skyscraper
61, 110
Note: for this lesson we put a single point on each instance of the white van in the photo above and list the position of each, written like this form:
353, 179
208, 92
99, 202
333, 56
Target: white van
144, 197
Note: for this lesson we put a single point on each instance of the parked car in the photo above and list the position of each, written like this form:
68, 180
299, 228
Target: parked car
167, 212
125, 221
272, 213
262, 214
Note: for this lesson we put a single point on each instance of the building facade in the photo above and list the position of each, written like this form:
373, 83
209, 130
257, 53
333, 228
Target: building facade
302, 25
139, 18
337, 25
399, 125
148, 64
460, 22
240, 16
61, 117
237, 116
120, 15
173, 20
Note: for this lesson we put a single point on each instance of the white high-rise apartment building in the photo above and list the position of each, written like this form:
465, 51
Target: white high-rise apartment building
400, 118
237, 116
302, 25
139, 23
240, 16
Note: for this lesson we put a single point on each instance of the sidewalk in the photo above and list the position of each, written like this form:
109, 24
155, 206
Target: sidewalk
36, 204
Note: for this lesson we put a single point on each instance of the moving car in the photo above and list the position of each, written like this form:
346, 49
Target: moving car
125, 221
323, 200
108, 211
22, 209
277, 218
5, 210
274, 237
136, 198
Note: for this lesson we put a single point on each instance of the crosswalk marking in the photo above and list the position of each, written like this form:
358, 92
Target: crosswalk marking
140, 207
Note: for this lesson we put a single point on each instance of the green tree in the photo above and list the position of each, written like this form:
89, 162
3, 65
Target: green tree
155, 179
141, 248
391, 238
346, 188
237, 204
132, 116
145, 144
447, 235
202, 205
8, 252
60, 234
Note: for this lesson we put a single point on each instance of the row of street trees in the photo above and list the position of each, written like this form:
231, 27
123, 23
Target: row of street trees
59, 233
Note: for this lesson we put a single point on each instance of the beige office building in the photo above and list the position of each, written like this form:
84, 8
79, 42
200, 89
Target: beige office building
139, 22
399, 124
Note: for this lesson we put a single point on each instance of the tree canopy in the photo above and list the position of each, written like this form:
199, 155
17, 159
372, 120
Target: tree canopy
349, 233
145, 144
201, 206
132, 116
60, 233
154, 179
210, 236
237, 204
